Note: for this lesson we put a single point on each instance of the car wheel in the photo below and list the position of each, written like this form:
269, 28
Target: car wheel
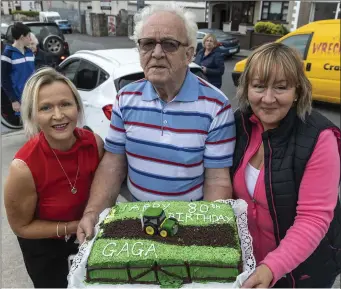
54, 44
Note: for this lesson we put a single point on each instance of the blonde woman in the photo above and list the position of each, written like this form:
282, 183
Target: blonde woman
287, 168
50, 177
211, 60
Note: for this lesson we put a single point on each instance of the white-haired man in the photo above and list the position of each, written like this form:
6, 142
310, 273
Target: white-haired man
41, 58
172, 131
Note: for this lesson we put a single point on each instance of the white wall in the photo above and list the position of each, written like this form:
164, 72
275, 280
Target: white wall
29, 5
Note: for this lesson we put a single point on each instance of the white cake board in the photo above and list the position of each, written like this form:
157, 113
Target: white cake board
77, 274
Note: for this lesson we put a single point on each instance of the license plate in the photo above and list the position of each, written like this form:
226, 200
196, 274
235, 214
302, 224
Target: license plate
233, 50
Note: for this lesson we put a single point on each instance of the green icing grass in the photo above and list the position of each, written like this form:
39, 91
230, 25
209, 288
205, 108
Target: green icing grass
199, 213
122, 250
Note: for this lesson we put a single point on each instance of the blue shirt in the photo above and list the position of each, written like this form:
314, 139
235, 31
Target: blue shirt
16, 68
169, 145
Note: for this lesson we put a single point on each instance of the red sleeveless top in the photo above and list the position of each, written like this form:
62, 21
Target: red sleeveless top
55, 200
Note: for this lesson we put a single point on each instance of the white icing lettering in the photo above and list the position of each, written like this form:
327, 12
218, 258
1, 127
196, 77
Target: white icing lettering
200, 216
179, 217
124, 208
135, 207
208, 218
192, 208
151, 249
228, 219
171, 215
110, 252
145, 207
221, 217
203, 208
156, 205
214, 218
165, 206
139, 252
125, 248
189, 216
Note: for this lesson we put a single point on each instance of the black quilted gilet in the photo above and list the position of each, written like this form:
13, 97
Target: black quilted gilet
287, 149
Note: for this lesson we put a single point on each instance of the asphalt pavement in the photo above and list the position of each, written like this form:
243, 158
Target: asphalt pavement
13, 270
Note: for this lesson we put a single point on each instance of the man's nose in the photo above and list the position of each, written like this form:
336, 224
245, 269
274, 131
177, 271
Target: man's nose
158, 51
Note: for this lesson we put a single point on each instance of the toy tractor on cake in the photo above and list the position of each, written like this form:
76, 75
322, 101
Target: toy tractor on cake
154, 221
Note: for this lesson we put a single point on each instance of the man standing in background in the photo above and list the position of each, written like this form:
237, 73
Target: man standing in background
17, 64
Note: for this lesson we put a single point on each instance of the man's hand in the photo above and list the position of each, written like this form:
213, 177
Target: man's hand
261, 278
16, 106
86, 226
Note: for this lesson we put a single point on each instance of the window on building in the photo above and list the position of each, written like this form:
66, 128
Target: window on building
276, 11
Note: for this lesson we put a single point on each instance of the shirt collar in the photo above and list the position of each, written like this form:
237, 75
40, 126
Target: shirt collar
188, 92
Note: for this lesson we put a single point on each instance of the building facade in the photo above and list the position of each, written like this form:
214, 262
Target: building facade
238, 16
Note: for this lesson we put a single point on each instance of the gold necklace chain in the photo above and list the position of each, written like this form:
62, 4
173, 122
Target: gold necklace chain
73, 187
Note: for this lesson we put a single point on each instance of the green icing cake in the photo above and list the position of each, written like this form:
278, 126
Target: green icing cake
168, 243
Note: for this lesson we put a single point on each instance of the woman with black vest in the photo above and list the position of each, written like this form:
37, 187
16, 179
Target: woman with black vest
287, 168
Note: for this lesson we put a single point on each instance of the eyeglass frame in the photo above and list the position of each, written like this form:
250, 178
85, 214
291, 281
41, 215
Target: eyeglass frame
160, 42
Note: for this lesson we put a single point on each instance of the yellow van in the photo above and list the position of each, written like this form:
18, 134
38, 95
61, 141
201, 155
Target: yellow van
319, 44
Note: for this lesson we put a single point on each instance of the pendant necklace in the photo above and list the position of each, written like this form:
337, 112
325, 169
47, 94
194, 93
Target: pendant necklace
73, 188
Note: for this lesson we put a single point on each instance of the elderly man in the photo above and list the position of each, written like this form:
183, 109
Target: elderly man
172, 131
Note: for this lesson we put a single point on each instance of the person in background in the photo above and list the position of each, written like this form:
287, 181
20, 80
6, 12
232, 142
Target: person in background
172, 131
211, 60
49, 178
287, 168
17, 64
41, 58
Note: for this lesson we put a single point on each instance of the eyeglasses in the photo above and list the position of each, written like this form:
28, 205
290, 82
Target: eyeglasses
167, 45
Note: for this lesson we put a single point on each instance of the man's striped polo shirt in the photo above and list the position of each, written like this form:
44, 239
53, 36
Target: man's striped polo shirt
169, 145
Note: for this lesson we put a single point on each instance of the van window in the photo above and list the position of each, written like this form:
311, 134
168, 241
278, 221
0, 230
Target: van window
300, 42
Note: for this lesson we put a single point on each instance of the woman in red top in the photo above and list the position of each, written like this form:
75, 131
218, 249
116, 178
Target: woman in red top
50, 177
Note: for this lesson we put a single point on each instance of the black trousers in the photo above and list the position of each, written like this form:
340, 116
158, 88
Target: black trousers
46, 260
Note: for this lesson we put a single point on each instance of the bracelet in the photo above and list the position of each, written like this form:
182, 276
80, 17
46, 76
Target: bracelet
65, 228
57, 229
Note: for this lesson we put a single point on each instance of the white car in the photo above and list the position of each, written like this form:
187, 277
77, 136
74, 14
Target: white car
99, 75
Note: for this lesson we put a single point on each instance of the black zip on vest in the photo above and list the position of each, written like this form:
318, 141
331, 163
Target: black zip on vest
287, 150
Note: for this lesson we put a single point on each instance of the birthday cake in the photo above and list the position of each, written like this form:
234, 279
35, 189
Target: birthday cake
168, 243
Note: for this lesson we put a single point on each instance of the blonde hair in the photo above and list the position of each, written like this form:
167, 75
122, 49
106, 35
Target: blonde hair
29, 103
269, 59
209, 35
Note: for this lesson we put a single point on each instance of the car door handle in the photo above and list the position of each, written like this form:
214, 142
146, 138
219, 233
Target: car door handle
308, 66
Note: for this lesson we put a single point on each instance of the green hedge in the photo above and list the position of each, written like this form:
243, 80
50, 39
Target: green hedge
271, 28
26, 13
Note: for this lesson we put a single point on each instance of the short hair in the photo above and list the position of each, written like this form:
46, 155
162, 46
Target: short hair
187, 16
34, 38
29, 104
266, 61
209, 35
19, 29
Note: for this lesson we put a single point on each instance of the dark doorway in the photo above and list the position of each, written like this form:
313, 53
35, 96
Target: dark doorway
236, 15
222, 19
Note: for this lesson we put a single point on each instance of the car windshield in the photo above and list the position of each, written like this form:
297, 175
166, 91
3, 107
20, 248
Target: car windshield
63, 22
219, 33
52, 19
42, 31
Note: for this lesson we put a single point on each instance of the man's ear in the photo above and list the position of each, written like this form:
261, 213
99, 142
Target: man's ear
190, 54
